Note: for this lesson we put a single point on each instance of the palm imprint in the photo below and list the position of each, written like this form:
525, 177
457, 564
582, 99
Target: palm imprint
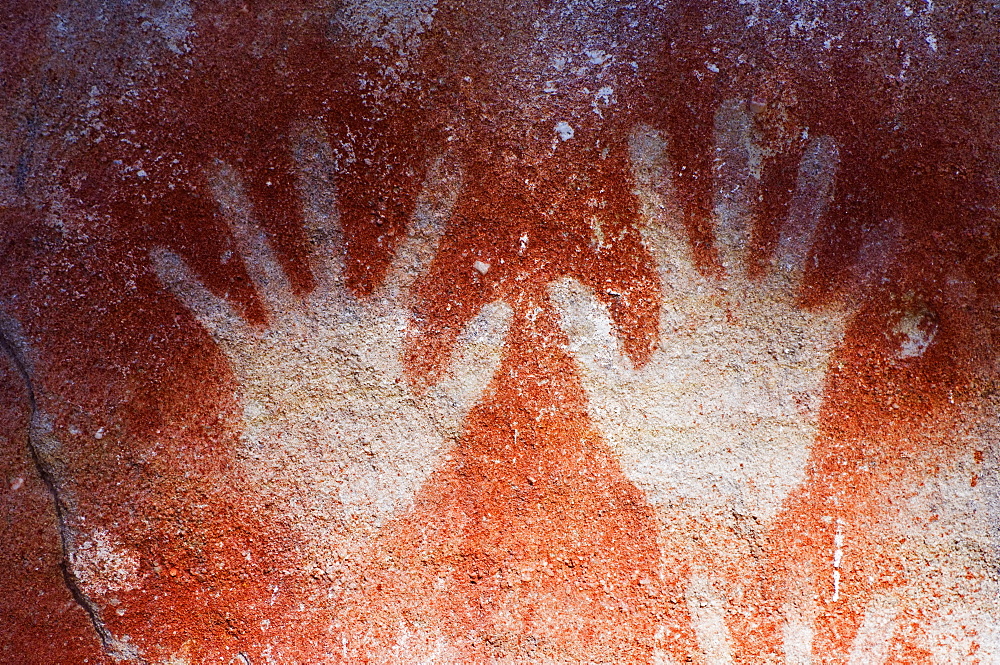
334, 435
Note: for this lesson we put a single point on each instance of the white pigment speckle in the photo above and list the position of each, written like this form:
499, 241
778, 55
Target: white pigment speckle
564, 130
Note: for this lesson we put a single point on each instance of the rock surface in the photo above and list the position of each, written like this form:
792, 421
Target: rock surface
341, 331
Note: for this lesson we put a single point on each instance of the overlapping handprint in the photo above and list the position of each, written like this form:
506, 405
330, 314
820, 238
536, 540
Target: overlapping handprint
716, 428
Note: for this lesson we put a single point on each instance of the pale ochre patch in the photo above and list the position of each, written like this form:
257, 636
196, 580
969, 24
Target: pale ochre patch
102, 565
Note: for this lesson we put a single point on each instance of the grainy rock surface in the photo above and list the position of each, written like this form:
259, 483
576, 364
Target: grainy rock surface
499, 332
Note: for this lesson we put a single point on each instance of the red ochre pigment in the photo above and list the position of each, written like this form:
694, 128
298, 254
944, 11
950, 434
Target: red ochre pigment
40, 621
530, 541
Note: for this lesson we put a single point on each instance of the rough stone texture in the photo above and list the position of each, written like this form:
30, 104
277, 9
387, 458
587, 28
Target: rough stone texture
41, 621
516, 332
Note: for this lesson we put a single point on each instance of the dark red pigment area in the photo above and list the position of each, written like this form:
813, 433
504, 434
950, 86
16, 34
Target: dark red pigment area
40, 623
532, 224
143, 410
251, 81
217, 581
22, 28
530, 543
912, 151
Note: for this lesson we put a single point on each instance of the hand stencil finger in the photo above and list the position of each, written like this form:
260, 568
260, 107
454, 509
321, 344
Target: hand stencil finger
736, 158
588, 325
424, 230
813, 192
662, 227
263, 267
475, 359
317, 185
215, 314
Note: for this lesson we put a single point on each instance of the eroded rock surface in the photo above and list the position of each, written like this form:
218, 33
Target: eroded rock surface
514, 332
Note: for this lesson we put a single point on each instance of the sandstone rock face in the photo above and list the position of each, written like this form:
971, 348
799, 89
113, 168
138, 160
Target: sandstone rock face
374, 331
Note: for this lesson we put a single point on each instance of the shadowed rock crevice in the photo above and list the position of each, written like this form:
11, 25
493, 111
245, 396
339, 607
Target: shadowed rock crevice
114, 647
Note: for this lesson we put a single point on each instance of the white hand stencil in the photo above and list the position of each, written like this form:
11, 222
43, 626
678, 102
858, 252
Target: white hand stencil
722, 416
334, 437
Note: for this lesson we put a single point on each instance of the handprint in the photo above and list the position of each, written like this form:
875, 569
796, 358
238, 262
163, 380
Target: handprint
739, 366
333, 434
719, 423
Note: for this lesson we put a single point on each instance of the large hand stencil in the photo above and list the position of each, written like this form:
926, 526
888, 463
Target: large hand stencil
721, 420
333, 435
724, 413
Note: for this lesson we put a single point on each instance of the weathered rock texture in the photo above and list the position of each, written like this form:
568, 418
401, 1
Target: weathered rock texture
518, 332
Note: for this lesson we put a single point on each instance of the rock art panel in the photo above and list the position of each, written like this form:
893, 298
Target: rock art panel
500, 332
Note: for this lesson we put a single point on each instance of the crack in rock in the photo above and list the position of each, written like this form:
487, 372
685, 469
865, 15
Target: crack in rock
112, 646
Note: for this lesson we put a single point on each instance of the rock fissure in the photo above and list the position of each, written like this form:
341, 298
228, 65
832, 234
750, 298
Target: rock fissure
114, 647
